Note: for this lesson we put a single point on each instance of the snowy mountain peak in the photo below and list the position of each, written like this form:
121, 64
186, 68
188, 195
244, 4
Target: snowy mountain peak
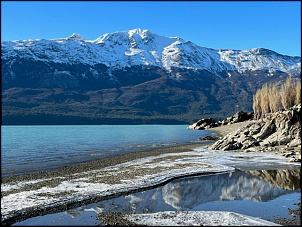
125, 35
263, 51
75, 36
138, 31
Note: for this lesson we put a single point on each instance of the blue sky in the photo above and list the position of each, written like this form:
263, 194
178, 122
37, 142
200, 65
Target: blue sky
275, 25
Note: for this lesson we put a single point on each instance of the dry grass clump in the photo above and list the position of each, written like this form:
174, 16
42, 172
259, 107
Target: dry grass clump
298, 93
275, 96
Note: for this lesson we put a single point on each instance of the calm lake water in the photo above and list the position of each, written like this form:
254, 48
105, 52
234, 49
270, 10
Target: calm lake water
27, 149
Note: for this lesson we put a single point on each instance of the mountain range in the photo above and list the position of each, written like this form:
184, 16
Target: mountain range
131, 77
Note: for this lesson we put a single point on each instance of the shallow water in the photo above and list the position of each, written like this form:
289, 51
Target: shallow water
257, 193
28, 149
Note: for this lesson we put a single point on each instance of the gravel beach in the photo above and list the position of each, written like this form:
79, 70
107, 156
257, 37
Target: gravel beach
101, 163
33, 183
226, 129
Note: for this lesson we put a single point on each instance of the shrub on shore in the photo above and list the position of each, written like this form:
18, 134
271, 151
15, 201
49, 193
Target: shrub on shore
275, 96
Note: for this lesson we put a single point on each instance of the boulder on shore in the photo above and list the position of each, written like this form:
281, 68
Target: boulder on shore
204, 123
209, 138
207, 123
238, 117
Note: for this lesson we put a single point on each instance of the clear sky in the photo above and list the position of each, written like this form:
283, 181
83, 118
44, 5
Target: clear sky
275, 25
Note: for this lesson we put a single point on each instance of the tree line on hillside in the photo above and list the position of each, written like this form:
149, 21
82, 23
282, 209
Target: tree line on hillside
273, 97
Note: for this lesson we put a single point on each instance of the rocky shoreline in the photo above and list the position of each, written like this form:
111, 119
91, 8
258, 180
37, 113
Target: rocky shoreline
278, 132
207, 123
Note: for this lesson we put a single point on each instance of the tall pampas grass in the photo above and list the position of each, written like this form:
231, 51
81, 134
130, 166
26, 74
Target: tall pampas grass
288, 93
274, 96
298, 93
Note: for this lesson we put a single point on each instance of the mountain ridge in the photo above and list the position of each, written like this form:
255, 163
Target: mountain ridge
131, 77
139, 47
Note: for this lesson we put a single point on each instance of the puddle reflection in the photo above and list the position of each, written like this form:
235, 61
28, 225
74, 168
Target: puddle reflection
261, 193
187, 193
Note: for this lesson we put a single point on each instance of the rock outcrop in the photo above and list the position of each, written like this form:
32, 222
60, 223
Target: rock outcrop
238, 117
204, 123
207, 123
280, 130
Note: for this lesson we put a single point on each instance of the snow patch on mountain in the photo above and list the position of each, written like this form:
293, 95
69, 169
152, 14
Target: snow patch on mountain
259, 59
140, 47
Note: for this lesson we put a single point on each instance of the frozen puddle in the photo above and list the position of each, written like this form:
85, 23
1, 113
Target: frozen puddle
245, 160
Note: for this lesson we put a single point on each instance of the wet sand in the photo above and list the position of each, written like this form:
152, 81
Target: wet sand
226, 129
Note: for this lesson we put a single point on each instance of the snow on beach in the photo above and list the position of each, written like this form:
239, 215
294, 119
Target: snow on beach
50, 192
197, 218
139, 173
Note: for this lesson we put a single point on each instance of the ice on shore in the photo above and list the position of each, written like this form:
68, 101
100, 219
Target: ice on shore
132, 175
197, 218
23, 196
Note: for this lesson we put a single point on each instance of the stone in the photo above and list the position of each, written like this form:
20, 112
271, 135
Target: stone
209, 138
295, 142
202, 124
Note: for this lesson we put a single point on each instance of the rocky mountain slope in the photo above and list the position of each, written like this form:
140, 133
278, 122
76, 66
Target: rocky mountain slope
132, 76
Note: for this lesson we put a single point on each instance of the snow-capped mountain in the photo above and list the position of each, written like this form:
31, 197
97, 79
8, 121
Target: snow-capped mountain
139, 47
131, 77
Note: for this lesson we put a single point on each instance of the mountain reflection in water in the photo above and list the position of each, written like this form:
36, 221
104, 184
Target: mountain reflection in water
187, 193
258, 193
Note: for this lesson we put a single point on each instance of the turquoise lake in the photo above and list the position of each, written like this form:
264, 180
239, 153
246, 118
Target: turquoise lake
28, 149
